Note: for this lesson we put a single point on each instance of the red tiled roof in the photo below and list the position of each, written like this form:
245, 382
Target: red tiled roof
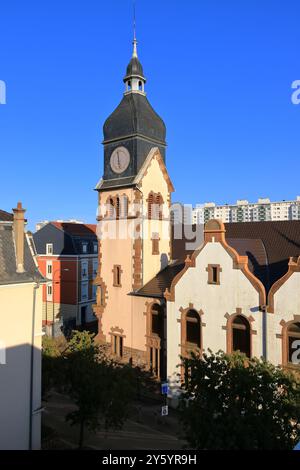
78, 230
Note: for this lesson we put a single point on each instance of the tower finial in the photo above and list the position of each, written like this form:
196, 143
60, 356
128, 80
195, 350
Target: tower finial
134, 53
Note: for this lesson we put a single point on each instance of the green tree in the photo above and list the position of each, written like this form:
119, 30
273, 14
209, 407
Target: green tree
101, 389
232, 402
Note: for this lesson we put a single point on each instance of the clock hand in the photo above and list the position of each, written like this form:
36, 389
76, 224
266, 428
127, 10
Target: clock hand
119, 165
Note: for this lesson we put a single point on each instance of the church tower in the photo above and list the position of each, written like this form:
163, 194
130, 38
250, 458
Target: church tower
134, 197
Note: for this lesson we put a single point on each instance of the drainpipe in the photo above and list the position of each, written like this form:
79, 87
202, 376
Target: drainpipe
32, 365
264, 331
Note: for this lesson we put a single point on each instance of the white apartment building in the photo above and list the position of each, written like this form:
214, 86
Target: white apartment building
243, 211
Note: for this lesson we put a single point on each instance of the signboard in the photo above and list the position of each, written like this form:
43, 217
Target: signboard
165, 410
164, 388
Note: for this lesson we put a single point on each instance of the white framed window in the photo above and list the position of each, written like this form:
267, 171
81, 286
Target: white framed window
84, 291
84, 247
95, 267
49, 292
49, 248
84, 269
49, 269
95, 245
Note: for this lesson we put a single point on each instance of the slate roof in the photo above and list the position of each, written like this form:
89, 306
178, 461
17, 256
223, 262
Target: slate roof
77, 230
268, 245
6, 216
134, 115
8, 265
67, 238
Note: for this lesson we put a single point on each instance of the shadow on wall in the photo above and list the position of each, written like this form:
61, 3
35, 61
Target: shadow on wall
20, 398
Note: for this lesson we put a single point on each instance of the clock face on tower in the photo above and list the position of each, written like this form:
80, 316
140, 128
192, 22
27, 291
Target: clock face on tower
119, 160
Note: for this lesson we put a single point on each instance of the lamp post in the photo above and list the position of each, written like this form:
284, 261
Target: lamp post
53, 298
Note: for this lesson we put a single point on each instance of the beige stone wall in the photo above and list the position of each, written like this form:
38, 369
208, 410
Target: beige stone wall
119, 246
154, 181
16, 311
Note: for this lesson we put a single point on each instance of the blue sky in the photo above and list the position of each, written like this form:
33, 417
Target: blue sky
219, 73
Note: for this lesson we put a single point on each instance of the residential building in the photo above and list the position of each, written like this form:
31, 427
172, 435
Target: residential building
20, 335
67, 255
243, 211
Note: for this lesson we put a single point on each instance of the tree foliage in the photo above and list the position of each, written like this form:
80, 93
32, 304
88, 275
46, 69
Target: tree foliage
232, 402
100, 388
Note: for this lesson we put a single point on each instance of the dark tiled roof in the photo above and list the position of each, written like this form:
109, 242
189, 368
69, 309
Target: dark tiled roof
6, 216
107, 184
77, 230
162, 281
281, 241
268, 245
8, 267
257, 257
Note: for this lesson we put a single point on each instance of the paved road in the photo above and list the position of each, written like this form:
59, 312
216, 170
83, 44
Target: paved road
145, 430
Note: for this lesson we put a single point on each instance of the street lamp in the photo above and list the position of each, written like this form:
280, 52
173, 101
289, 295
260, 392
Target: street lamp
53, 298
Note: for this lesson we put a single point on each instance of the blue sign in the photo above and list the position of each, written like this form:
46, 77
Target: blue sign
297, 446
164, 388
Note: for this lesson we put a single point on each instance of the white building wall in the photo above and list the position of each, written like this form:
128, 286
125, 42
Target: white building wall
235, 291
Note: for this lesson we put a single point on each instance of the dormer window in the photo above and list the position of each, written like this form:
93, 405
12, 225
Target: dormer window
49, 248
84, 247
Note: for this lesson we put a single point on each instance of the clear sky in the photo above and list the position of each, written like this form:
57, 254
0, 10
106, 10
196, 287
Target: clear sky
219, 74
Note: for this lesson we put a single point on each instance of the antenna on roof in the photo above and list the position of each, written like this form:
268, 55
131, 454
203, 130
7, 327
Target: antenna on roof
134, 54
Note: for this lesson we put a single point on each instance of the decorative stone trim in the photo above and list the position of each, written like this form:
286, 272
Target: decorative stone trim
293, 267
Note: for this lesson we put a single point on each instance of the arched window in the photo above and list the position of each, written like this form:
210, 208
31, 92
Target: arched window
193, 329
241, 335
150, 205
124, 206
293, 342
110, 207
159, 206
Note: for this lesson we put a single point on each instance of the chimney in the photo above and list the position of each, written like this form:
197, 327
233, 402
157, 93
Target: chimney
18, 228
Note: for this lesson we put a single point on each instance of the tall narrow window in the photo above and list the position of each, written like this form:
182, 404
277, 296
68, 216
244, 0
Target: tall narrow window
117, 207
241, 340
159, 206
117, 271
214, 271
157, 320
117, 345
155, 244
150, 206
293, 342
